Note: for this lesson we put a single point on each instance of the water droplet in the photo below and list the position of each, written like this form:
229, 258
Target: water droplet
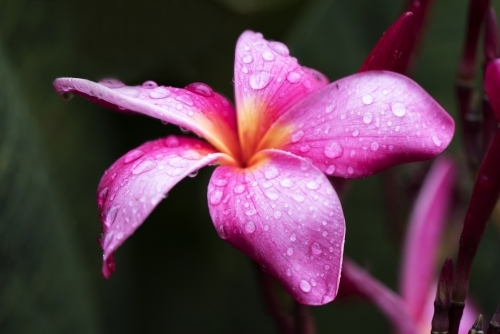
436, 141
289, 251
159, 93
250, 227
330, 108
143, 166
133, 156
111, 83
367, 99
246, 48
326, 267
385, 92
316, 248
298, 197
271, 173
325, 233
293, 77
343, 116
67, 96
222, 232
178, 106
279, 48
313, 185
355, 133
247, 59
260, 80
398, 109
397, 128
171, 142
389, 123
149, 84
277, 214
240, 188
305, 286
313, 282
216, 197
333, 150
268, 55
193, 174
374, 146
287, 183
305, 148
250, 212
297, 136
367, 117
220, 182
288, 272
200, 89
350, 170
293, 237
330, 170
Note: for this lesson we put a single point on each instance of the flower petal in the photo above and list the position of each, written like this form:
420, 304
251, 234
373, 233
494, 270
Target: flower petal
387, 301
268, 81
362, 124
132, 187
284, 214
196, 108
492, 85
423, 236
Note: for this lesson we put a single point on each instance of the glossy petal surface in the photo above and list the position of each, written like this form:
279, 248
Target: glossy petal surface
284, 214
268, 81
387, 301
132, 187
362, 124
196, 108
424, 233
492, 85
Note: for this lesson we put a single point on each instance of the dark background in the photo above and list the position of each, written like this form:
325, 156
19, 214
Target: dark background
175, 274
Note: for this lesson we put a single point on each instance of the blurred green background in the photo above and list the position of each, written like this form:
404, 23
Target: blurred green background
175, 275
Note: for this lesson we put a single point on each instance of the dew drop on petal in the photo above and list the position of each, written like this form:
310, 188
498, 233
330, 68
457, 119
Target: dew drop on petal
287, 183
159, 93
398, 108
260, 80
200, 89
355, 133
436, 141
374, 146
271, 173
367, 99
277, 214
313, 185
316, 248
268, 55
171, 142
298, 198
296, 136
289, 251
293, 77
240, 188
367, 117
385, 92
215, 197
279, 48
333, 150
247, 59
350, 170
305, 286
149, 84
330, 170
143, 167
222, 232
250, 227
288, 272
293, 237
111, 83
133, 156
272, 195
305, 148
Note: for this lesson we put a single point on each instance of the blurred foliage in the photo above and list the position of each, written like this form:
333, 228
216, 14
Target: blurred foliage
175, 274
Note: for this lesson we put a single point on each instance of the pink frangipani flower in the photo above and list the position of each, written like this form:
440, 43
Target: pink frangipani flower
270, 197
411, 311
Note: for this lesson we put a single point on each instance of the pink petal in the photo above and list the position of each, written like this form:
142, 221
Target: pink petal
387, 301
132, 187
284, 214
196, 108
362, 124
268, 81
423, 236
492, 85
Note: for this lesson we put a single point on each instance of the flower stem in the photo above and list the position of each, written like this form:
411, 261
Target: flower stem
494, 327
440, 320
304, 322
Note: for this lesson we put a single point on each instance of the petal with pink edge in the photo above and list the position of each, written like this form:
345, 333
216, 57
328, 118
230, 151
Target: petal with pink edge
196, 108
268, 81
423, 236
362, 124
492, 85
387, 301
132, 187
284, 214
